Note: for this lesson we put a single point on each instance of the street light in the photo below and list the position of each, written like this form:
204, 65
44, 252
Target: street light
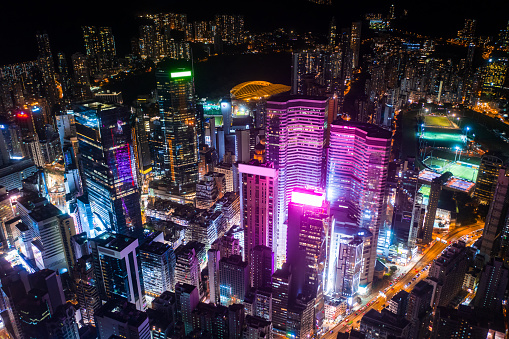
457, 149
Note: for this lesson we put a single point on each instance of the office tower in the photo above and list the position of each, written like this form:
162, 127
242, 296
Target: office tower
187, 268
355, 42
230, 28
492, 286
418, 308
308, 220
357, 172
187, 300
86, 289
296, 139
64, 76
50, 233
496, 218
262, 264
257, 327
81, 69
175, 90
158, 267
213, 258
6, 213
281, 283
233, 280
259, 198
121, 318
117, 269
384, 324
344, 265
487, 178
47, 68
107, 161
447, 273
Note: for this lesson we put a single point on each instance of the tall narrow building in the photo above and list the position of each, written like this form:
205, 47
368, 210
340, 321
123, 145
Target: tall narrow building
107, 163
295, 143
258, 206
179, 151
117, 268
487, 178
357, 172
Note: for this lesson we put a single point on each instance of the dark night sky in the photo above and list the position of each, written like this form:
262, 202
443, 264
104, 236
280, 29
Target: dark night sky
62, 20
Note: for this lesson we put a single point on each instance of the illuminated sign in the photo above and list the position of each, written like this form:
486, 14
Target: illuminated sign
182, 74
22, 115
308, 197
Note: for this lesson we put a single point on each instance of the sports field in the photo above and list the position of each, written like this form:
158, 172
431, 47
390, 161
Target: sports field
437, 121
458, 169
443, 137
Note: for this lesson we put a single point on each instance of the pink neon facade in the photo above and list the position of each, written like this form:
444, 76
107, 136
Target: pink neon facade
357, 164
295, 143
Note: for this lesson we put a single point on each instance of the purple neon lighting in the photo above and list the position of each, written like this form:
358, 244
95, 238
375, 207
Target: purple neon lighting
308, 197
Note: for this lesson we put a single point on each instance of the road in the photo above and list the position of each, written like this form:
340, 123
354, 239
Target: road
418, 272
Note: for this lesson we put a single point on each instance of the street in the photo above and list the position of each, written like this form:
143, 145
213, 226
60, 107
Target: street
417, 271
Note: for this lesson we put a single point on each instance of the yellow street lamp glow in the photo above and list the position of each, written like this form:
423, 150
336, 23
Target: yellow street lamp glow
180, 74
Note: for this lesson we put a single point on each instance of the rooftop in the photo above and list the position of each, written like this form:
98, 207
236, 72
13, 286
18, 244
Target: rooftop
116, 242
121, 311
372, 130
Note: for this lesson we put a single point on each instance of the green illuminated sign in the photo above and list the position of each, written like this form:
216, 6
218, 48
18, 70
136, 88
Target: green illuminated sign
180, 74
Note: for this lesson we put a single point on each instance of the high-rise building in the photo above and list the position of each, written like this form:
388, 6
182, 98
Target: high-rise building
47, 68
492, 286
344, 266
357, 172
187, 268
259, 198
497, 213
447, 273
296, 139
187, 299
418, 307
308, 225
50, 233
262, 265
233, 280
281, 283
86, 289
175, 91
81, 69
355, 42
230, 28
117, 268
121, 318
158, 267
99, 46
107, 163
487, 178
257, 327
431, 209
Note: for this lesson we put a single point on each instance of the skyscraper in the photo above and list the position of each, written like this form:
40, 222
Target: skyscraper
187, 299
175, 91
295, 138
497, 213
492, 286
107, 162
357, 173
117, 269
47, 67
262, 265
355, 42
487, 178
258, 207
158, 268
233, 280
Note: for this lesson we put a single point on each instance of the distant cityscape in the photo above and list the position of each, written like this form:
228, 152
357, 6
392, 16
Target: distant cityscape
364, 196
